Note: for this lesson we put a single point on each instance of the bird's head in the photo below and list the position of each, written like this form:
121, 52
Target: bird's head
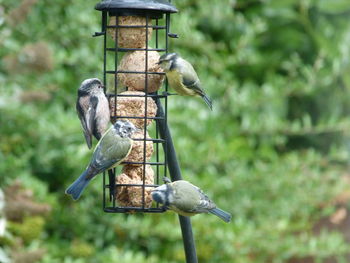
124, 128
91, 85
167, 61
163, 194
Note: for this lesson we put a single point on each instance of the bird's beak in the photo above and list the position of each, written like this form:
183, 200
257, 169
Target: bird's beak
159, 62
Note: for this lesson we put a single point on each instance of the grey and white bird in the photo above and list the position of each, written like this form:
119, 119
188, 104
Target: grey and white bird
186, 199
114, 146
182, 77
93, 109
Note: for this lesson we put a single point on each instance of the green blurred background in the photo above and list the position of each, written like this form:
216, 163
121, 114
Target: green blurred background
274, 152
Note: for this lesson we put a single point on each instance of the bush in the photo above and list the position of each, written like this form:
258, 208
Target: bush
274, 152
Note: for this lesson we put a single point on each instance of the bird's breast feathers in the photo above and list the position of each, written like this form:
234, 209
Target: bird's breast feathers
176, 82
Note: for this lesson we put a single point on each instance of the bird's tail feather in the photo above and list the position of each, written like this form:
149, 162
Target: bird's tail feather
76, 188
208, 101
222, 214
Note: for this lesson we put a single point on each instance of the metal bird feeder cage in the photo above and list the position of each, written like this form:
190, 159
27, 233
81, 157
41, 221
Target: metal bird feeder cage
135, 34
132, 79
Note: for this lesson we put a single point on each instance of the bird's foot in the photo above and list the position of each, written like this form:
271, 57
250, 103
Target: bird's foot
166, 180
165, 93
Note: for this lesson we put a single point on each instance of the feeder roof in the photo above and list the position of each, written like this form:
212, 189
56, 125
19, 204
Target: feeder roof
158, 6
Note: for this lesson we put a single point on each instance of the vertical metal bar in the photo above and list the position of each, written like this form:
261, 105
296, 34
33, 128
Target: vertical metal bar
145, 119
157, 23
175, 174
167, 25
157, 128
104, 30
112, 175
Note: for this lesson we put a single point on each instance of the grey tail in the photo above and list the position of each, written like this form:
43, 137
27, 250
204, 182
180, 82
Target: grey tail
76, 188
208, 101
222, 214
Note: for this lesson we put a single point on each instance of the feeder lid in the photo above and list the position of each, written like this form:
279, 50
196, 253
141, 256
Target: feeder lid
136, 6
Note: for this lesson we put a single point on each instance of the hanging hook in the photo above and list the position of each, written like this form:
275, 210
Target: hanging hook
173, 35
97, 34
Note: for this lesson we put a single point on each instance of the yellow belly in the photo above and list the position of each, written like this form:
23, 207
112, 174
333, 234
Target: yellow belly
175, 81
180, 212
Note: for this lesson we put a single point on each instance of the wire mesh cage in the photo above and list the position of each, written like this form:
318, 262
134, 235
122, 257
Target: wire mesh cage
134, 34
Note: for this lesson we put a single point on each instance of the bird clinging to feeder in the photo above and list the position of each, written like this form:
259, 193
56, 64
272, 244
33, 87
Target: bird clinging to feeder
182, 77
93, 109
187, 199
112, 149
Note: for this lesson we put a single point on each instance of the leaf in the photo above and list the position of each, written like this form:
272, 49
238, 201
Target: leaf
333, 6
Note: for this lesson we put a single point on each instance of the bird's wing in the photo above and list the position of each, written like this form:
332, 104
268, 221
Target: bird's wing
86, 131
110, 151
91, 114
205, 202
189, 198
102, 116
190, 78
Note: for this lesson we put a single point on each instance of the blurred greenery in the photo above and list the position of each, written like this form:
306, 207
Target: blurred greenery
274, 152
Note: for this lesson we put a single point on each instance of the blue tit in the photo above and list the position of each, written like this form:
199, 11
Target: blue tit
186, 199
182, 77
93, 109
114, 146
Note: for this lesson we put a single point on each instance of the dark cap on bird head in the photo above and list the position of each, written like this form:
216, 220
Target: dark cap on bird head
167, 57
161, 194
90, 84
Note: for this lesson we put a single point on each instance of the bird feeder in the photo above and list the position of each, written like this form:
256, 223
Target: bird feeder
135, 34
134, 85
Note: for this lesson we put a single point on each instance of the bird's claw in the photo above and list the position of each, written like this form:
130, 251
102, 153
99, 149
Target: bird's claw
166, 180
165, 93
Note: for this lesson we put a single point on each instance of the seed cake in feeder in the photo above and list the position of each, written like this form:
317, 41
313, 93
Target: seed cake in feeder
136, 153
132, 195
130, 37
134, 107
136, 61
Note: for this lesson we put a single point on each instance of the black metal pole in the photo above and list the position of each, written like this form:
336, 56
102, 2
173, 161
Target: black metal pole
175, 174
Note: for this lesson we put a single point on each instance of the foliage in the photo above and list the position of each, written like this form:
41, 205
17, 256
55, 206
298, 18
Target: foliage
274, 152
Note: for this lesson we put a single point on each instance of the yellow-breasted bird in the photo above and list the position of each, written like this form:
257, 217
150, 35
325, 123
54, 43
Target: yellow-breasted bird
114, 146
186, 199
182, 77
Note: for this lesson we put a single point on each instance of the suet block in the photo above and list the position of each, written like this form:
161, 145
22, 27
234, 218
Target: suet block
132, 195
134, 107
136, 154
136, 61
130, 37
